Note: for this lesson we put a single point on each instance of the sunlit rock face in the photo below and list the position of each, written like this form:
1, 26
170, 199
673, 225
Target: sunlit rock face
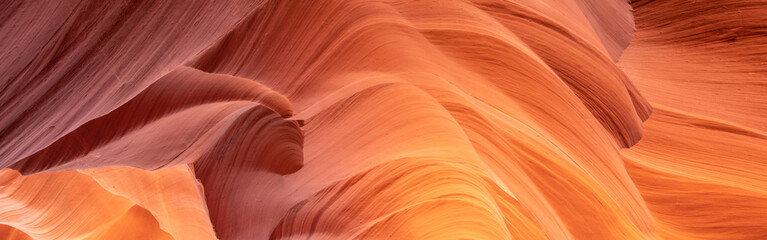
383, 119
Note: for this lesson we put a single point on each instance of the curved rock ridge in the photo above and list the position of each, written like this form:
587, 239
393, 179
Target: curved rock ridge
716, 68
700, 166
71, 204
68, 62
160, 125
383, 119
487, 80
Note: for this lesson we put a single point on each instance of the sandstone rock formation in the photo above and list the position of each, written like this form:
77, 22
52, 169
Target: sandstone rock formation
383, 119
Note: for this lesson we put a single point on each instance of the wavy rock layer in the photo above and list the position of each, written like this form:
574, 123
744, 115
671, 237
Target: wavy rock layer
381, 119
700, 165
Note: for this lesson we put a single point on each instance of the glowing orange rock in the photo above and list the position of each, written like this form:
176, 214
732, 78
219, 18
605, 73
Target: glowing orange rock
700, 165
383, 119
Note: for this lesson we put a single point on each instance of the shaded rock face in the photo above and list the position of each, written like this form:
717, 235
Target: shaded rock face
383, 119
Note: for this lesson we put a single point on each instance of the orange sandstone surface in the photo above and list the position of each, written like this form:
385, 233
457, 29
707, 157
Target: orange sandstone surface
383, 119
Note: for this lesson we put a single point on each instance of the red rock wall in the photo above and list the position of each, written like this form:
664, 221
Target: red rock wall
383, 119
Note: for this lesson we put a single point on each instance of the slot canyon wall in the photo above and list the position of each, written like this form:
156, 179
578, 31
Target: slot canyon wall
383, 119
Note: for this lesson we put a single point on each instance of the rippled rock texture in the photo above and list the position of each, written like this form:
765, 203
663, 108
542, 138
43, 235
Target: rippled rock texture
383, 119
